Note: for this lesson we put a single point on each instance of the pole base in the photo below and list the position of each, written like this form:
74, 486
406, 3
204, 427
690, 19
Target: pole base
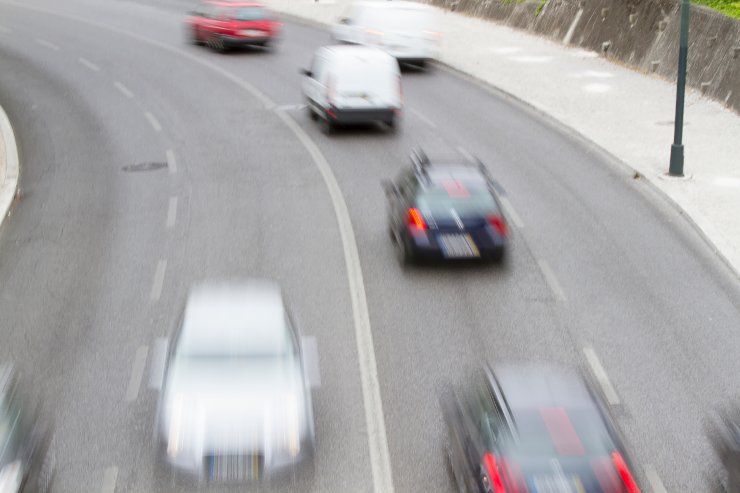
676, 166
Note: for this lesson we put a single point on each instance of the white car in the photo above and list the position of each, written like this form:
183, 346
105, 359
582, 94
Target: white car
353, 84
409, 31
235, 404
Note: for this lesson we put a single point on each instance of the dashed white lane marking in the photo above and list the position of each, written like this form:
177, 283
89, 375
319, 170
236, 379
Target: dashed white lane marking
158, 280
87, 63
380, 463
655, 482
509, 210
601, 376
109, 480
171, 161
48, 44
124, 90
153, 121
423, 118
137, 372
552, 280
290, 107
172, 212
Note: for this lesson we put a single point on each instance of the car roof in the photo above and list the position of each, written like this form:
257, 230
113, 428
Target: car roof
528, 387
226, 3
357, 52
243, 316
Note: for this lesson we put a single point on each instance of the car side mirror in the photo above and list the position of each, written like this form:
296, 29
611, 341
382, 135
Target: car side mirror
388, 187
306, 72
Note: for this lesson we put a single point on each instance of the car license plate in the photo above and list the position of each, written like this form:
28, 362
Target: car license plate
252, 32
556, 484
233, 468
458, 246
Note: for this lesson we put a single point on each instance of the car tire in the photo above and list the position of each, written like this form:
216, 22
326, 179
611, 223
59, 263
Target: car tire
405, 256
217, 43
312, 113
194, 37
392, 125
327, 126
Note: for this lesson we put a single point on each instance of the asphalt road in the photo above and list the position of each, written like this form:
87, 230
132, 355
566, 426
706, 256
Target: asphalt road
97, 255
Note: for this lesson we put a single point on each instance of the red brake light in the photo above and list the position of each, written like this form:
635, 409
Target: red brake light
415, 219
494, 476
624, 473
498, 223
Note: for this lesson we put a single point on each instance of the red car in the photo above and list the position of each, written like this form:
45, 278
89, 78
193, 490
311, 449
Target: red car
223, 25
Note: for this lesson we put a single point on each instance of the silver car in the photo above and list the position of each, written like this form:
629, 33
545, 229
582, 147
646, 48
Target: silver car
235, 403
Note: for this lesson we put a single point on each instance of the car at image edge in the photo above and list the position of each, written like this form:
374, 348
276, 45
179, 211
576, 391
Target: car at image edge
223, 25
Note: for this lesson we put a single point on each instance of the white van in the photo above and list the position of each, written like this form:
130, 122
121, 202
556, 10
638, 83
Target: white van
407, 30
353, 84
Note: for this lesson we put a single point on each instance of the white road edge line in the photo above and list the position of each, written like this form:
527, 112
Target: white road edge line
552, 280
606, 386
171, 162
137, 373
48, 44
655, 482
374, 420
109, 480
511, 212
158, 280
423, 118
124, 90
172, 212
9, 184
87, 63
153, 121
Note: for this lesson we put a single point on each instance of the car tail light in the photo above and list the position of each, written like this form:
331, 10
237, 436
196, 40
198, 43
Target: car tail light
624, 473
498, 224
416, 220
495, 483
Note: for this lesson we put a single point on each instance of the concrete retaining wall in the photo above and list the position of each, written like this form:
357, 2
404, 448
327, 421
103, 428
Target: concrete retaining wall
641, 33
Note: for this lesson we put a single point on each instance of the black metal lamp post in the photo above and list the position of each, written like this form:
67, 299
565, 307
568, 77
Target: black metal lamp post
676, 166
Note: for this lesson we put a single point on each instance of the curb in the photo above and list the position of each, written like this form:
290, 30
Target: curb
9, 184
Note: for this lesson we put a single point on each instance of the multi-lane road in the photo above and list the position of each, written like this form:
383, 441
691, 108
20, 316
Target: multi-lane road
148, 164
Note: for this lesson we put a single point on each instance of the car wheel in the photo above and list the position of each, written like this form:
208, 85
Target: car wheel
217, 43
312, 113
391, 124
405, 255
327, 126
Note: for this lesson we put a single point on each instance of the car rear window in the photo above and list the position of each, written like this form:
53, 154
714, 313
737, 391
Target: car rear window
457, 196
248, 14
555, 432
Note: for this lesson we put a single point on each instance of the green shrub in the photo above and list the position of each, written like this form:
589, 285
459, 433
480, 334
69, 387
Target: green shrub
727, 7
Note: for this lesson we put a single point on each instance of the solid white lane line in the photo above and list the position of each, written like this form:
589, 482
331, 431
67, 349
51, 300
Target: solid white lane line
137, 372
124, 90
158, 280
290, 107
509, 210
171, 162
380, 463
47, 44
109, 480
552, 280
655, 482
423, 118
172, 212
153, 122
601, 376
87, 63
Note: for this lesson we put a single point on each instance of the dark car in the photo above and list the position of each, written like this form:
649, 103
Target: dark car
26, 459
223, 25
534, 430
445, 208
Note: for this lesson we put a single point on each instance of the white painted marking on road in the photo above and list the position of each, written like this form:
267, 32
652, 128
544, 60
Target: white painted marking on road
572, 28
87, 63
509, 210
423, 118
158, 280
380, 463
171, 161
530, 59
109, 480
507, 50
124, 90
655, 482
48, 44
597, 88
552, 280
290, 107
137, 372
593, 74
601, 376
172, 212
153, 121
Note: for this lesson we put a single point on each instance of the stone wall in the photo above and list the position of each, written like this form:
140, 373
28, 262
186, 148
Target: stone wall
641, 33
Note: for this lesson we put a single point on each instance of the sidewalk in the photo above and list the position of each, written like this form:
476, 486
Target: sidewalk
627, 113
